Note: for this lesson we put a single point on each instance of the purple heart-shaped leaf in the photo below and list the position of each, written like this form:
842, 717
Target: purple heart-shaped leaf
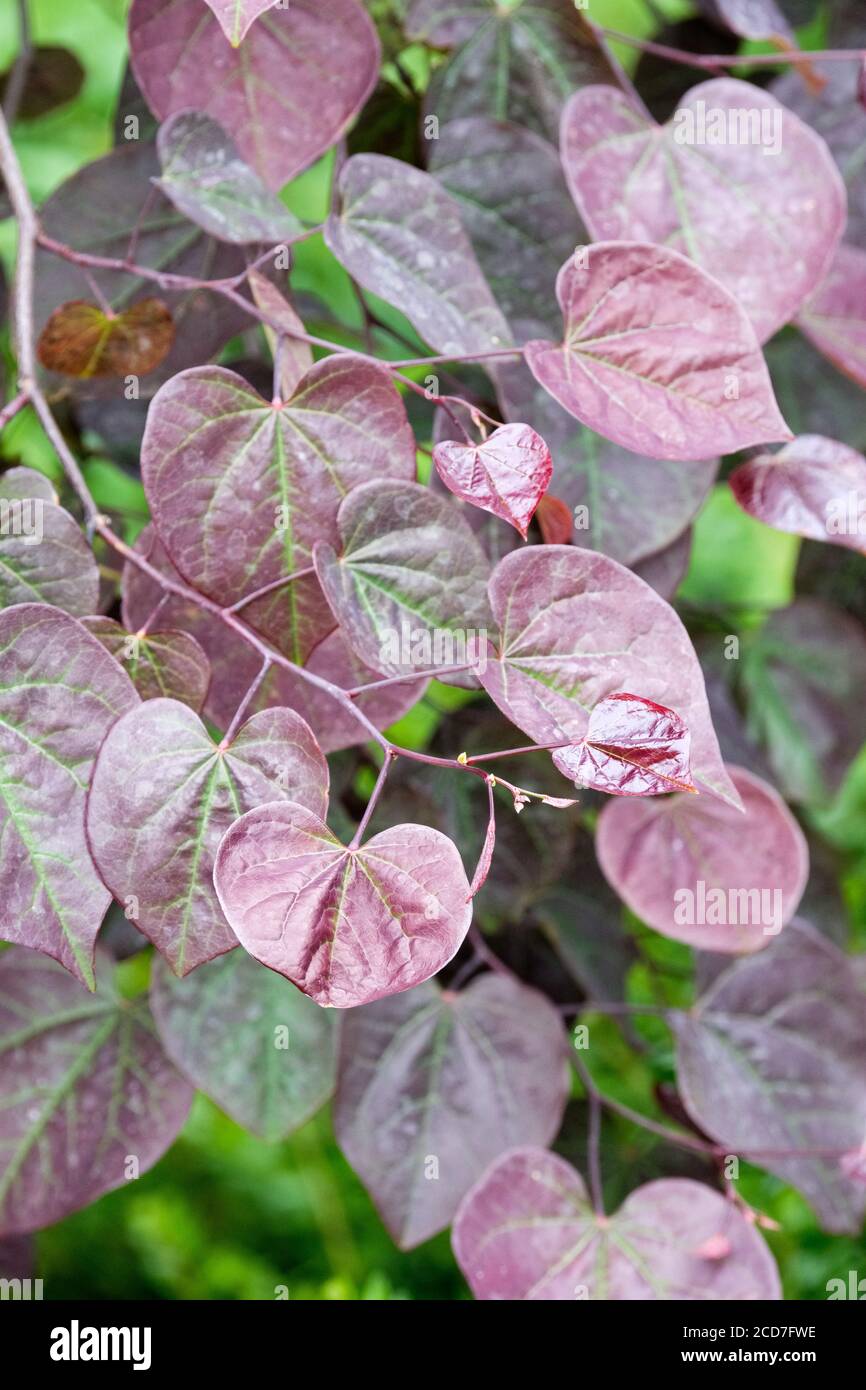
168, 665
507, 474
633, 747
814, 487
346, 925
834, 319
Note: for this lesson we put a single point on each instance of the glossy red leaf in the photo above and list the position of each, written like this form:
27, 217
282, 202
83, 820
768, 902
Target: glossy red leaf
433, 1085
576, 627
834, 319
633, 747
236, 17
814, 487
60, 692
347, 926
555, 520
160, 664
527, 1230
657, 356
770, 1064
84, 1086
506, 474
275, 475
163, 794
285, 95
730, 145
701, 872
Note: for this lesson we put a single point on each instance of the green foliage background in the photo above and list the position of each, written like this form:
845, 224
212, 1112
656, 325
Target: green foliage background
224, 1215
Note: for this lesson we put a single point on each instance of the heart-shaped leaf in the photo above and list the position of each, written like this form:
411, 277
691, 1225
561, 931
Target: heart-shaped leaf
771, 1059
409, 589
44, 557
398, 234
236, 17
163, 794
62, 687
80, 339
204, 176
815, 487
160, 664
656, 356
433, 1085
576, 627
518, 61
508, 186
276, 474
85, 1086
286, 94
834, 319
347, 926
527, 1230
506, 474
728, 144
633, 747
803, 675
701, 872
247, 1038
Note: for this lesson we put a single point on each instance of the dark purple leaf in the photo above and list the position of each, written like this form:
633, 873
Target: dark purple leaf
44, 557
771, 1058
286, 94
347, 926
433, 1085
576, 627
274, 478
398, 233
60, 692
815, 487
163, 794
729, 145
665, 570
527, 1230
89, 1100
409, 588
54, 77
169, 664
656, 356
750, 19
704, 873
249, 1040
834, 319
633, 747
506, 474
836, 115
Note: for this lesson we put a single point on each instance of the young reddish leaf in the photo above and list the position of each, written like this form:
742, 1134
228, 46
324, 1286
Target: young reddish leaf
44, 557
633, 747
636, 181
527, 1230
81, 340
519, 61
771, 1058
162, 795
84, 1084
296, 356
276, 474
834, 319
576, 627
399, 235
555, 520
205, 177
287, 94
236, 17
814, 487
507, 474
251, 1041
409, 589
657, 356
453, 1078
508, 186
347, 926
701, 872
60, 686
803, 677
160, 664
485, 859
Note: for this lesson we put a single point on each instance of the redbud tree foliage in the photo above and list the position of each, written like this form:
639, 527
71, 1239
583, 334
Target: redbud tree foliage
414, 748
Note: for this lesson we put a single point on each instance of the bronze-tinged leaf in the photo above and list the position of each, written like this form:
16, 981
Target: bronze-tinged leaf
82, 340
